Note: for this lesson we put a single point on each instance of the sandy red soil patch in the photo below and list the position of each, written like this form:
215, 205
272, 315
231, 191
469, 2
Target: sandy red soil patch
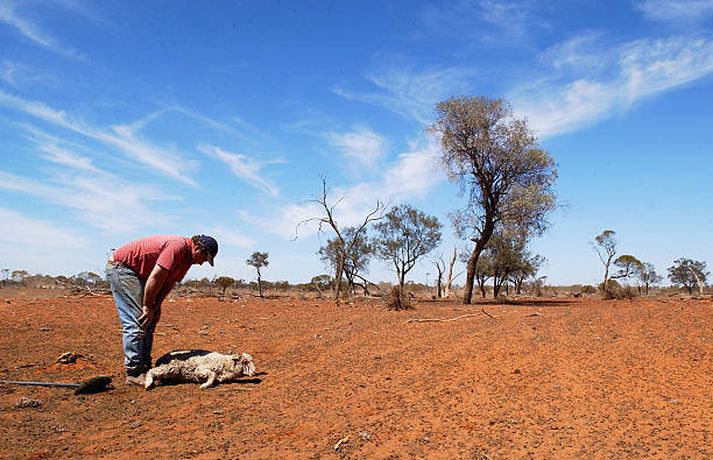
542, 378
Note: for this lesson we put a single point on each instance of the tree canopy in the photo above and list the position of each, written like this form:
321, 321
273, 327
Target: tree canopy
495, 157
688, 273
258, 260
404, 235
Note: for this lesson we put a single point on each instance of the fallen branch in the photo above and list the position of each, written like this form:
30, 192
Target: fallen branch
488, 314
439, 320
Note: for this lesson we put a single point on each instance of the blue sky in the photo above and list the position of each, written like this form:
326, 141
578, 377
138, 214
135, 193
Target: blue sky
122, 119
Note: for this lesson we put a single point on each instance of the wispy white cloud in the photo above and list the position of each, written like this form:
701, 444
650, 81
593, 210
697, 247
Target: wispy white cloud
34, 33
94, 195
244, 167
411, 93
415, 172
494, 22
675, 10
230, 237
58, 155
581, 53
412, 175
124, 138
42, 246
18, 74
627, 74
362, 148
19, 230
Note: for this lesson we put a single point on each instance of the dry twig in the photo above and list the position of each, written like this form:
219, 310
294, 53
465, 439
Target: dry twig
437, 320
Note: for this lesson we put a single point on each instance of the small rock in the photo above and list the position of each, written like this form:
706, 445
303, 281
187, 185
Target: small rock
364, 436
24, 403
517, 371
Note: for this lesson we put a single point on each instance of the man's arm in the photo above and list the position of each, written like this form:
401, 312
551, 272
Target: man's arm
167, 287
154, 286
165, 290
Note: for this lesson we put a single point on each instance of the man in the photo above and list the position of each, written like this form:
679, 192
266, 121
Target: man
141, 274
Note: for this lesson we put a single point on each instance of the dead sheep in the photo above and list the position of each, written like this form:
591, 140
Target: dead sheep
200, 366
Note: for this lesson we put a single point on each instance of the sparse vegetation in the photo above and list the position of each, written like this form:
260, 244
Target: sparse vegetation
258, 260
398, 298
405, 235
688, 273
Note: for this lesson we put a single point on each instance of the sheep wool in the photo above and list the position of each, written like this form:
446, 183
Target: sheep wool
199, 366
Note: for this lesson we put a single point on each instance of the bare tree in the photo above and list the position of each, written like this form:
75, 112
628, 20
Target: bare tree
404, 236
450, 277
605, 245
440, 265
343, 247
258, 260
495, 157
356, 262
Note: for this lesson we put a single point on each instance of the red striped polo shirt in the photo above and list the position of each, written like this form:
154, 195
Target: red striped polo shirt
170, 252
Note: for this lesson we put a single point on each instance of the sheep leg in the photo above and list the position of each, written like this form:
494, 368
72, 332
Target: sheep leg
210, 382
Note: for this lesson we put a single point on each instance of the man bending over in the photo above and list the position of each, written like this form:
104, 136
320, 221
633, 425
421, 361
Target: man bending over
141, 274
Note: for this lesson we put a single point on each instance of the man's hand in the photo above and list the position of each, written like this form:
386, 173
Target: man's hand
150, 317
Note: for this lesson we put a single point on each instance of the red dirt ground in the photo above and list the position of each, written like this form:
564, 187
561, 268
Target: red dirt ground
541, 379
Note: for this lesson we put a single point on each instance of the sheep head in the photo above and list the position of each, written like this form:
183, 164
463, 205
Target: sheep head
246, 364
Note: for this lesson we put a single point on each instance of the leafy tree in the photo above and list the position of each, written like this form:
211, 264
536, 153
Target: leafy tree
321, 282
86, 278
258, 260
508, 178
355, 262
506, 260
224, 282
628, 266
483, 268
688, 273
18, 276
527, 267
4, 276
404, 236
605, 245
647, 276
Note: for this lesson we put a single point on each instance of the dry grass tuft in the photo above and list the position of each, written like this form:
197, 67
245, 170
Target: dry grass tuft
398, 299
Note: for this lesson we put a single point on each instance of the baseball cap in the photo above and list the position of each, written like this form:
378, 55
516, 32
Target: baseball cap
210, 247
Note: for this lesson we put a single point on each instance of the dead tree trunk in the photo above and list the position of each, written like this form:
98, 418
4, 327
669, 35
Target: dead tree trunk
698, 280
449, 278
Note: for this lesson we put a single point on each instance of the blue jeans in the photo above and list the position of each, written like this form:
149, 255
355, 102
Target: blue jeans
128, 290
